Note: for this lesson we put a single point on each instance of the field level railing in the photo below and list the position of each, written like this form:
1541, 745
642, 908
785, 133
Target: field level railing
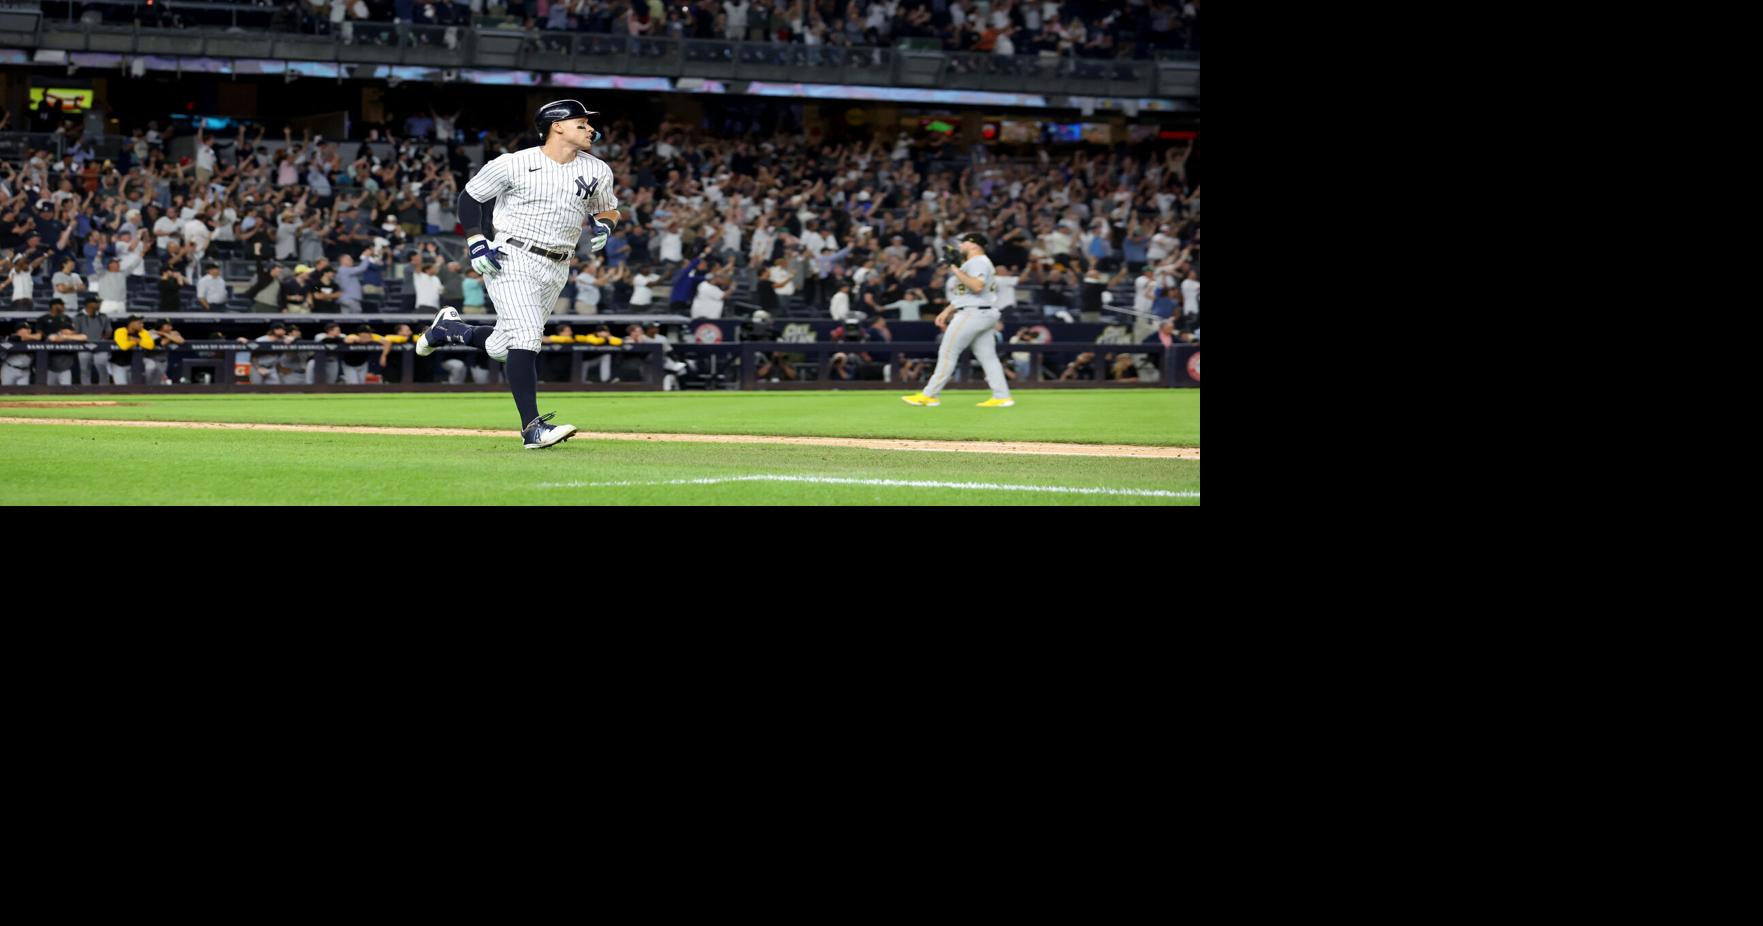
218, 357
1171, 368
191, 357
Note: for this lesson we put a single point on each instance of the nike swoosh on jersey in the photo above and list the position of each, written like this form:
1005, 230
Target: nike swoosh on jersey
531, 169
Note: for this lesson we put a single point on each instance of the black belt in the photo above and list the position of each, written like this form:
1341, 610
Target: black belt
558, 257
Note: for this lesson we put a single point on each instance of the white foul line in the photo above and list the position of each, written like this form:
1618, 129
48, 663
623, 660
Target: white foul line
905, 483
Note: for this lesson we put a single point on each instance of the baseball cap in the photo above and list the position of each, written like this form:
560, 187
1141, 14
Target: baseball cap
302, 268
974, 237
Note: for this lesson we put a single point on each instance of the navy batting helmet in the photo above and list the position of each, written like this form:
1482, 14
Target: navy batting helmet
559, 109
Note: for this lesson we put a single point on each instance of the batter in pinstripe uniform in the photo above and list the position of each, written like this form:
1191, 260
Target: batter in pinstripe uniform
973, 296
541, 198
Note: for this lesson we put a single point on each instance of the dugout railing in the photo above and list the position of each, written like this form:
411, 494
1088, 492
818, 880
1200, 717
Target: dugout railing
734, 364
219, 360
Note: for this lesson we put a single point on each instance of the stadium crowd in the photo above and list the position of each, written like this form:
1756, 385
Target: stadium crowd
720, 220
1072, 28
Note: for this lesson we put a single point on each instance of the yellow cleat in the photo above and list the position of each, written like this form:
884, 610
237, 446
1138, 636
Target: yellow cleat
997, 403
919, 398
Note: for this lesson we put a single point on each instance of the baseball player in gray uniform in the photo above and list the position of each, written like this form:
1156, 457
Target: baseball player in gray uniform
973, 295
541, 198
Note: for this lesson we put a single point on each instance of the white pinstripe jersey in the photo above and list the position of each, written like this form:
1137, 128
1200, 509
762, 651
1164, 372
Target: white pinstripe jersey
541, 201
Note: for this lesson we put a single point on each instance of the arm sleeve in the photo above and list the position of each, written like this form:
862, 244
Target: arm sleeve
475, 216
122, 338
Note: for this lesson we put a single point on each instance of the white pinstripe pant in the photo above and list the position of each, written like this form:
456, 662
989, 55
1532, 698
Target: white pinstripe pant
525, 290
970, 328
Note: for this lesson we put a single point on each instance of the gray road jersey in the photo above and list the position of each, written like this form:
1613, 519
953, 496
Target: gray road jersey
958, 294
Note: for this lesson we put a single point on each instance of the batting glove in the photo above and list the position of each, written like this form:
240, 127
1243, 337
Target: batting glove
484, 259
602, 232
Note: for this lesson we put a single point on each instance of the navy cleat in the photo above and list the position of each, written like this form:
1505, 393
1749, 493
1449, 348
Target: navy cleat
445, 329
539, 435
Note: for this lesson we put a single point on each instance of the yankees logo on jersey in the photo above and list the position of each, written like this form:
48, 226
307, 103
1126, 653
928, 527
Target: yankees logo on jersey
541, 201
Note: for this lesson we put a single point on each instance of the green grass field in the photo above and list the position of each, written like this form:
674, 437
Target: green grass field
78, 464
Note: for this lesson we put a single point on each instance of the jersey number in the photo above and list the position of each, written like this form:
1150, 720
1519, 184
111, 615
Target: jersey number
585, 189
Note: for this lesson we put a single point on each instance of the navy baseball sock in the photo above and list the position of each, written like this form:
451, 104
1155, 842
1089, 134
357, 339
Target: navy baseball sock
479, 334
523, 380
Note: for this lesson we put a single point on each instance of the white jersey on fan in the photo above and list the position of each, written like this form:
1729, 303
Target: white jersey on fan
1006, 291
641, 294
1144, 292
541, 201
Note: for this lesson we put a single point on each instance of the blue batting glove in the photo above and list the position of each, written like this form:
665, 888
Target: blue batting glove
484, 259
602, 232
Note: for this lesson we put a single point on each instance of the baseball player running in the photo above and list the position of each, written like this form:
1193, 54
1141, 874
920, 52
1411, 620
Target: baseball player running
972, 296
540, 197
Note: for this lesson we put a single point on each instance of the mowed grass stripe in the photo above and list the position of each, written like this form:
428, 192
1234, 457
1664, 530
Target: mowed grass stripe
892, 483
1145, 417
61, 465
1022, 447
